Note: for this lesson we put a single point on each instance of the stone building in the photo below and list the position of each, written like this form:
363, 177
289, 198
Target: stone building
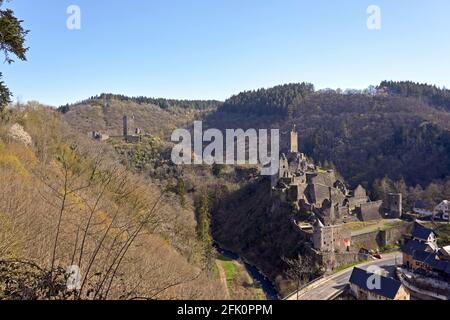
423, 243
369, 286
96, 135
394, 205
130, 138
370, 211
332, 238
316, 191
321, 200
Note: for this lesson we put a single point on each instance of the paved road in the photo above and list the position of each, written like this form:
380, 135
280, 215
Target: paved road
329, 287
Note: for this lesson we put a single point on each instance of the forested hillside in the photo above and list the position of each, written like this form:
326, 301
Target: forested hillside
366, 135
439, 97
104, 113
399, 131
385, 141
66, 200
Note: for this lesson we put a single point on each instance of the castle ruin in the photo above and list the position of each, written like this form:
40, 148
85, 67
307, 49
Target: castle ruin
321, 199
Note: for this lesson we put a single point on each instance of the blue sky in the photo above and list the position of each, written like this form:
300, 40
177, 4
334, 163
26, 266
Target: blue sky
211, 49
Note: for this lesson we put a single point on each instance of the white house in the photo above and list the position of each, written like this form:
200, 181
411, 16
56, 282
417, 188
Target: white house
442, 210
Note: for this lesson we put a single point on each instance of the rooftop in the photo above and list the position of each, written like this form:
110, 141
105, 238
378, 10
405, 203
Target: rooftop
413, 245
389, 287
421, 233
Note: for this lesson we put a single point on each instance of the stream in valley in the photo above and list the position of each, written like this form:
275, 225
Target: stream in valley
267, 286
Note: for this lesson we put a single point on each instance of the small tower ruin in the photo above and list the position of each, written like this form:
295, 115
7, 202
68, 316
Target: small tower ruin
294, 140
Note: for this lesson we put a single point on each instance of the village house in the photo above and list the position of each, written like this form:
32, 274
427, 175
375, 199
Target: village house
422, 254
442, 210
423, 234
362, 287
426, 210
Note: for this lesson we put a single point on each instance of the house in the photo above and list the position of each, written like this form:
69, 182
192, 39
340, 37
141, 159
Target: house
426, 210
413, 246
442, 210
423, 243
444, 253
423, 234
388, 289
423, 254
432, 265
423, 209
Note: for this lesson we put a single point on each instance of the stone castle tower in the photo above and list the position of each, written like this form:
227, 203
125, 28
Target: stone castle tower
395, 205
294, 140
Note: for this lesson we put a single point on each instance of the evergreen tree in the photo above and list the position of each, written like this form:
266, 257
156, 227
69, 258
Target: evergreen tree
181, 191
202, 212
12, 42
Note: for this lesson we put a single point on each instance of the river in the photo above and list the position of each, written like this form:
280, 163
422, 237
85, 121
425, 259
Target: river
267, 286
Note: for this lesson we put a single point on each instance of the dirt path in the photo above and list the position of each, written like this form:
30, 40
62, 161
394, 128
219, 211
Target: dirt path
223, 278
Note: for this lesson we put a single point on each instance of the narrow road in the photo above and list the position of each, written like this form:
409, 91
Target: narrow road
223, 278
329, 287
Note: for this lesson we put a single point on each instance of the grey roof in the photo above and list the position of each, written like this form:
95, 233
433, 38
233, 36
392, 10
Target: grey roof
421, 204
431, 260
413, 245
319, 223
447, 269
389, 287
425, 257
421, 233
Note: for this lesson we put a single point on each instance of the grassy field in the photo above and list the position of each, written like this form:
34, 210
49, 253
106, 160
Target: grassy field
370, 226
229, 267
240, 284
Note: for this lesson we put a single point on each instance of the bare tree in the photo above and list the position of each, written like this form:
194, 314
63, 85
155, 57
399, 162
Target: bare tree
300, 270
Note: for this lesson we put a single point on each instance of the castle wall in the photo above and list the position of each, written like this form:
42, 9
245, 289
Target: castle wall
317, 193
324, 178
394, 205
332, 238
332, 260
370, 211
380, 238
356, 202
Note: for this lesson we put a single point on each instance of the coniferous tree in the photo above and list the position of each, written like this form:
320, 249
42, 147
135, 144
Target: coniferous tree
12, 42
202, 213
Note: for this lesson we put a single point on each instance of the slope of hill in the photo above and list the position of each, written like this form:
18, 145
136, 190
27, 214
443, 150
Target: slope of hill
66, 201
104, 113
366, 137
387, 142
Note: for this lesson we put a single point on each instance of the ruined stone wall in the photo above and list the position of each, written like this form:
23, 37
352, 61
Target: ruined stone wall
380, 238
317, 193
332, 238
325, 178
393, 235
370, 211
332, 260
394, 205
369, 241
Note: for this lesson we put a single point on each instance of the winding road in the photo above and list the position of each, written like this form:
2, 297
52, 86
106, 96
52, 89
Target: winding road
330, 287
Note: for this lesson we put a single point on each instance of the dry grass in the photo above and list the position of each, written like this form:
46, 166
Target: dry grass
66, 201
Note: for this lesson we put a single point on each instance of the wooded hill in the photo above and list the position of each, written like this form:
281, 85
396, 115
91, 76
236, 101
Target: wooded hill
66, 200
402, 134
398, 130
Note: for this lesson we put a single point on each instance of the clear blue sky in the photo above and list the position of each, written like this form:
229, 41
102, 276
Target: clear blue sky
215, 48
